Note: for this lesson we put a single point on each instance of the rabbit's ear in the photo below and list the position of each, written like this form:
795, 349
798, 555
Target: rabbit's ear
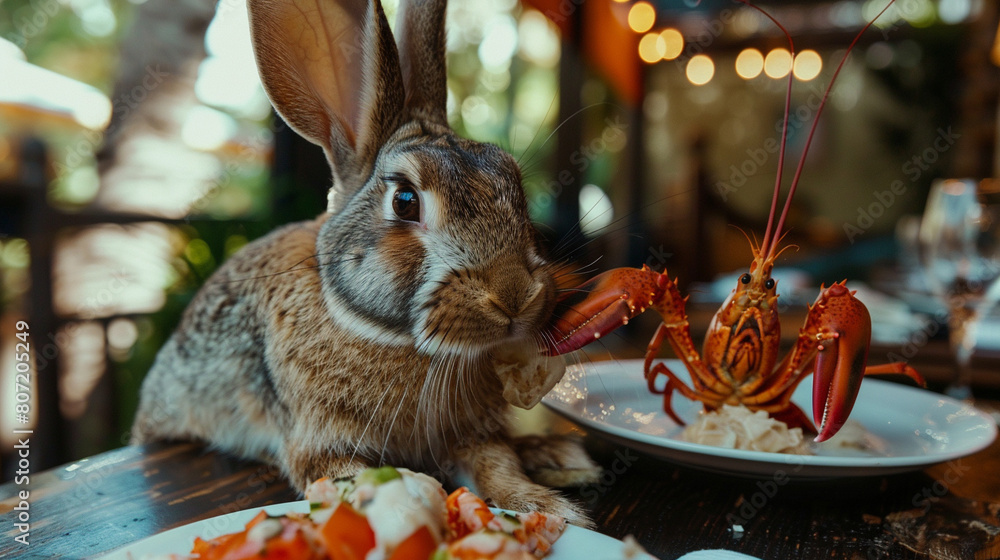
421, 39
331, 70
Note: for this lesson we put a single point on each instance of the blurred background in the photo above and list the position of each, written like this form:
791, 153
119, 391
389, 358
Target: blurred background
138, 151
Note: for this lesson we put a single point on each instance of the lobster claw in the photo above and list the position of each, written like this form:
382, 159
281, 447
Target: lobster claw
843, 327
601, 305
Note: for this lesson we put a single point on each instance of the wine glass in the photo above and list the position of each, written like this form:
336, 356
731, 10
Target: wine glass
960, 251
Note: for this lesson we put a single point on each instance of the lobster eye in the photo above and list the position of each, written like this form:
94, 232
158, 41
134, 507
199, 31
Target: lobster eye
769, 284
745, 279
406, 204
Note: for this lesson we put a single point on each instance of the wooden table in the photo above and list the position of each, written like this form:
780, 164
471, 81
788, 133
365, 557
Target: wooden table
948, 511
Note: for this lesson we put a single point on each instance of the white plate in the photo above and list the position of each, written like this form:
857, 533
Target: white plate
574, 544
912, 428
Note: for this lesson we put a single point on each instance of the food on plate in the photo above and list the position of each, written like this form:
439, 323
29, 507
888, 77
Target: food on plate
387, 514
738, 427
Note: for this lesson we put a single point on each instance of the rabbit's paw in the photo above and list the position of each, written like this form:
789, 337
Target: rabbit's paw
499, 478
304, 468
559, 461
532, 497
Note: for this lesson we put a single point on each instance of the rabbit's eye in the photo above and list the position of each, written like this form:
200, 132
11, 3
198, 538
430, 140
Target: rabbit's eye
406, 204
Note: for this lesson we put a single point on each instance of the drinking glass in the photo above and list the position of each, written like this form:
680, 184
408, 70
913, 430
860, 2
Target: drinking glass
960, 251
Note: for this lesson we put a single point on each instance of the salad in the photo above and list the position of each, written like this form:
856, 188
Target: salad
387, 514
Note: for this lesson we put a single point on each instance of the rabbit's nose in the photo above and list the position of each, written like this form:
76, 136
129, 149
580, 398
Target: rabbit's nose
514, 291
504, 309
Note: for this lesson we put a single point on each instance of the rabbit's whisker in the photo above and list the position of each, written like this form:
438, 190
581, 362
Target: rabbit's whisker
392, 424
620, 224
564, 121
582, 269
375, 412
527, 150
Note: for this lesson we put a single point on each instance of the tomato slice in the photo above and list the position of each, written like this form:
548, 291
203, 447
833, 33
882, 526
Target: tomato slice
226, 545
418, 546
347, 534
292, 544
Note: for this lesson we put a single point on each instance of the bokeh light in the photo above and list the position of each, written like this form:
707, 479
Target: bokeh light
808, 65
778, 63
499, 43
918, 13
540, 39
872, 8
673, 43
652, 47
880, 55
749, 64
954, 11
596, 210
207, 129
700, 70
641, 17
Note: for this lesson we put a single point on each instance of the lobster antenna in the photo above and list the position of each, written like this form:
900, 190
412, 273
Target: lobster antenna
764, 248
812, 129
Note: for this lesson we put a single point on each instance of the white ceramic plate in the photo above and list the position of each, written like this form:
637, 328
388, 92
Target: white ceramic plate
574, 544
910, 428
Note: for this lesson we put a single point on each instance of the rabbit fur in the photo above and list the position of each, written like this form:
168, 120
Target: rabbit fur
371, 336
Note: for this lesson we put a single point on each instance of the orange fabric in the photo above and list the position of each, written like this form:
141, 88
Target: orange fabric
612, 48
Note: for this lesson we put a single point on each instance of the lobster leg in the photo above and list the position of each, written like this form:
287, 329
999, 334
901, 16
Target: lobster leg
679, 337
896, 368
674, 383
792, 416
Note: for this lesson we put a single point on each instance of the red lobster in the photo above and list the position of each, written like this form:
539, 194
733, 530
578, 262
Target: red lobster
739, 361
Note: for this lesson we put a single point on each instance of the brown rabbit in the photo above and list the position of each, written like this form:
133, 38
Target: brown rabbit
397, 326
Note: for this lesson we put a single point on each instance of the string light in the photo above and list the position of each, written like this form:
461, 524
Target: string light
749, 64
700, 70
778, 63
673, 43
641, 17
808, 65
652, 47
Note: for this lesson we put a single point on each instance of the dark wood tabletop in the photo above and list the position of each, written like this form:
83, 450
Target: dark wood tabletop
952, 510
